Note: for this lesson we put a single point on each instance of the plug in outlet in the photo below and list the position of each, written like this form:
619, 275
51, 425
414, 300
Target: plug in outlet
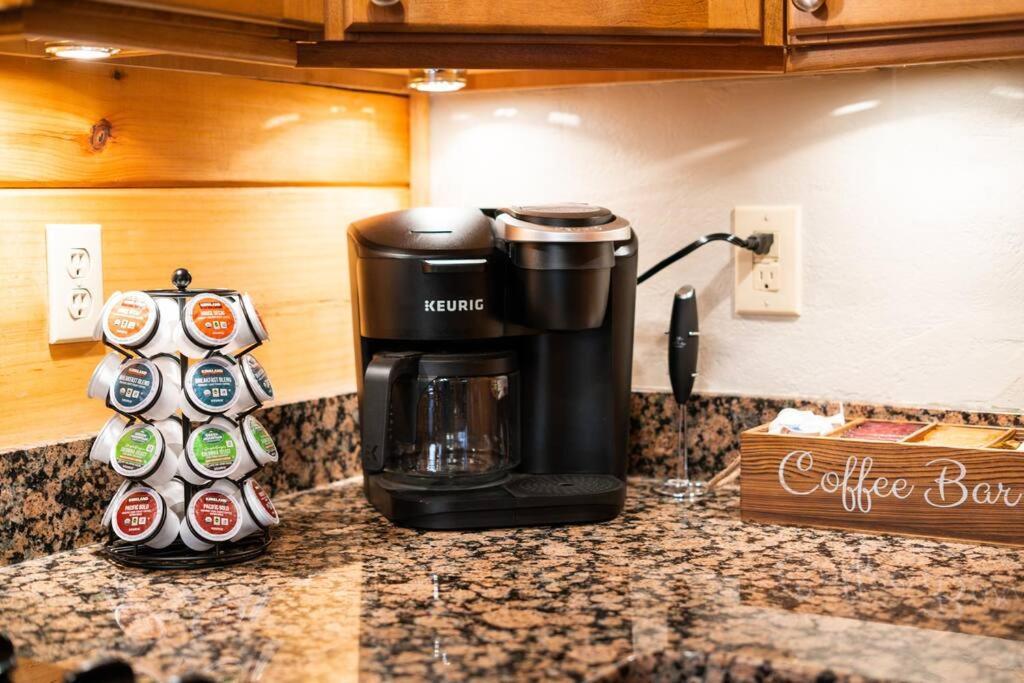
769, 284
74, 274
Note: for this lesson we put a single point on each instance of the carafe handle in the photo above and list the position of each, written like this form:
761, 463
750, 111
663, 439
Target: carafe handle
381, 374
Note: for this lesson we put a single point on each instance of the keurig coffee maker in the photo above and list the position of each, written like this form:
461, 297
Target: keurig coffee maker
494, 352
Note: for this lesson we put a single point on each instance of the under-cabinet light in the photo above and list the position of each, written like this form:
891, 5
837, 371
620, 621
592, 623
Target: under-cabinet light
75, 51
437, 80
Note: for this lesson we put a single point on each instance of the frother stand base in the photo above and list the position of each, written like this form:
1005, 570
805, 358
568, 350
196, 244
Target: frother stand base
681, 489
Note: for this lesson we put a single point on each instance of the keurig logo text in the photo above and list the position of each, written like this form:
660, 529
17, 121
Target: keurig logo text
452, 305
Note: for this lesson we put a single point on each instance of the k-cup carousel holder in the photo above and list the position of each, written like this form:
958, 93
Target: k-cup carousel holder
178, 555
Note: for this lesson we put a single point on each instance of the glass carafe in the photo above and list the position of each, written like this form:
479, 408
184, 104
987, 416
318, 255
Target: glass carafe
453, 420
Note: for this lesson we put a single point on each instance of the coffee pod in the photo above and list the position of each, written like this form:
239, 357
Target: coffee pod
142, 517
171, 431
208, 322
257, 511
101, 320
108, 514
173, 493
146, 388
107, 437
212, 516
259, 445
104, 375
256, 388
141, 454
136, 320
250, 326
213, 451
211, 387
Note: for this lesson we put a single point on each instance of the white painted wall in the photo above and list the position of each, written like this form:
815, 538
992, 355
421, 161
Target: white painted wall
912, 187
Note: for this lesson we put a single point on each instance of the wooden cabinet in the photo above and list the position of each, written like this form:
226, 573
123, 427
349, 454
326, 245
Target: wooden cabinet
861, 19
650, 17
859, 34
725, 36
334, 42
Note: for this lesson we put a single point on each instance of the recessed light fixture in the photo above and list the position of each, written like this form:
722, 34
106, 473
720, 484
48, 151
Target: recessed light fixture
437, 80
83, 52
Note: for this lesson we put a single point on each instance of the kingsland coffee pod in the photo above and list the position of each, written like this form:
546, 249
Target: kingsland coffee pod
212, 516
259, 445
141, 453
256, 388
142, 517
108, 514
211, 387
209, 322
213, 451
135, 320
105, 440
250, 326
104, 375
257, 511
146, 388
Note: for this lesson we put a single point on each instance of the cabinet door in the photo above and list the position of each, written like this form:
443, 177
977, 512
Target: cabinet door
267, 11
651, 17
849, 17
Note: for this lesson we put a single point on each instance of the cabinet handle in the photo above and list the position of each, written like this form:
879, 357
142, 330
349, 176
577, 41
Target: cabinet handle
803, 5
385, 3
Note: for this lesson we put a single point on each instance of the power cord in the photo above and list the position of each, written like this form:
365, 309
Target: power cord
760, 243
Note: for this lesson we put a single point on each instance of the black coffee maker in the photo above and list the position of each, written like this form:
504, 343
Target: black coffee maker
494, 352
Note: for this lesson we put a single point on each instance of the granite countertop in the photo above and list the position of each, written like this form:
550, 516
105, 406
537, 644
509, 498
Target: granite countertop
665, 589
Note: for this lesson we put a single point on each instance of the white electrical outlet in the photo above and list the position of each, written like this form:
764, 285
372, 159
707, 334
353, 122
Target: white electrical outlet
74, 275
769, 284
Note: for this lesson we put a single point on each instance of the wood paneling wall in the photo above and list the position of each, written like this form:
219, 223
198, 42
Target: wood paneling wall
170, 129
248, 184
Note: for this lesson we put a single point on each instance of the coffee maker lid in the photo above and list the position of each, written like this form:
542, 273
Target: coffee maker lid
568, 222
569, 215
425, 231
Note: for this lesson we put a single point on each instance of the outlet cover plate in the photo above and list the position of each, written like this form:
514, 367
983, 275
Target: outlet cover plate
786, 294
74, 274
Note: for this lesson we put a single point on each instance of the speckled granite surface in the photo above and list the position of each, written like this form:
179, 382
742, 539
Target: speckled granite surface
715, 423
53, 496
664, 592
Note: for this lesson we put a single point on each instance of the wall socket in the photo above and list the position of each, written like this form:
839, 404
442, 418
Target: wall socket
74, 275
769, 284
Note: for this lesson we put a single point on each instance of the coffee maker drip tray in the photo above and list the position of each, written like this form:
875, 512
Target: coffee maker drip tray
519, 500
562, 485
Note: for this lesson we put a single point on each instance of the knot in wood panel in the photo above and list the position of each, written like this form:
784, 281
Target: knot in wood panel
101, 131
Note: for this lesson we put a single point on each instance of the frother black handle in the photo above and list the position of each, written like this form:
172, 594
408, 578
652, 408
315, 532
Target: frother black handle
382, 372
8, 661
683, 343
104, 671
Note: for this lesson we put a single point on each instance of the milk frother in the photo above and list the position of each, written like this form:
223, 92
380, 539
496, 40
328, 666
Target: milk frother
683, 345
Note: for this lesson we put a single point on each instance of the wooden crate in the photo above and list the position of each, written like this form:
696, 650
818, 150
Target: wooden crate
971, 490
